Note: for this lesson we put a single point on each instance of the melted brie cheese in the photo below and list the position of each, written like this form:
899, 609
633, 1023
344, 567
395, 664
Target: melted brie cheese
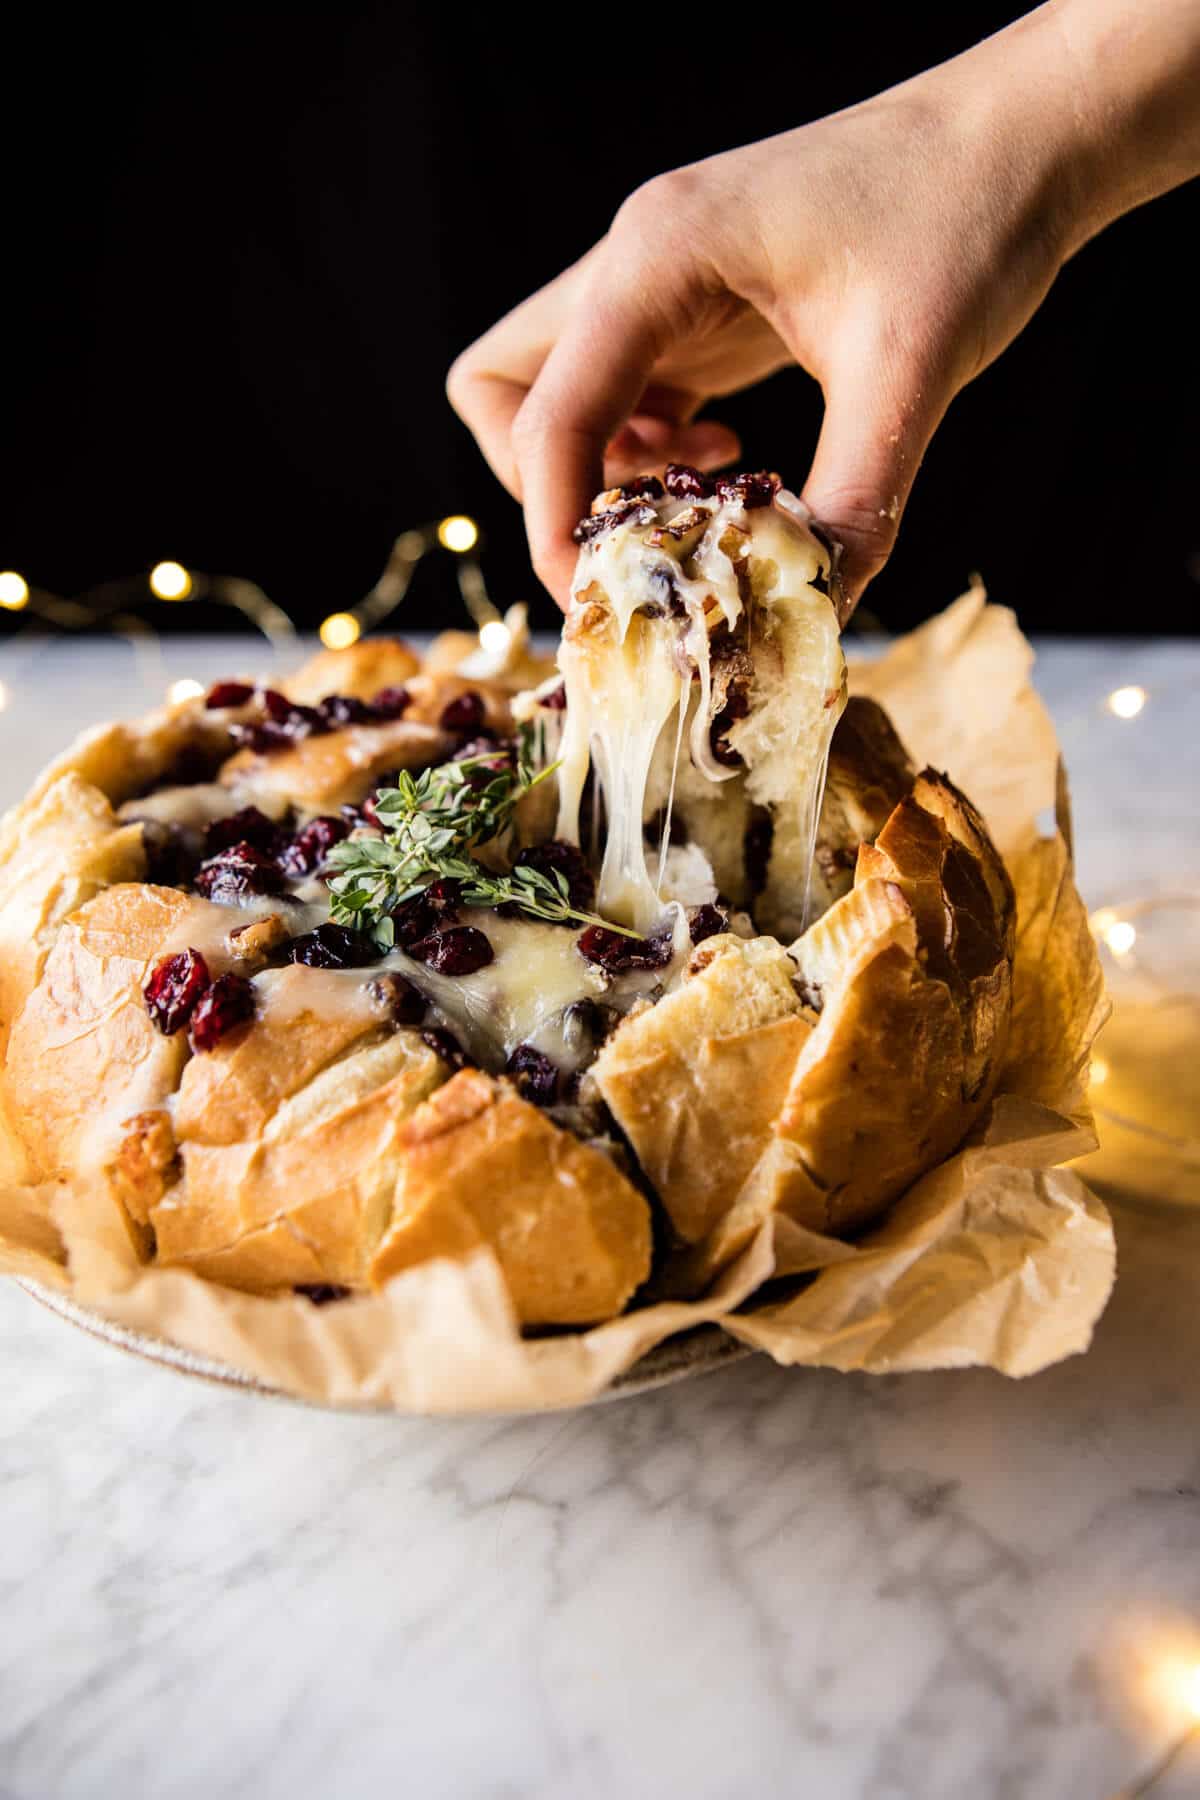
636, 654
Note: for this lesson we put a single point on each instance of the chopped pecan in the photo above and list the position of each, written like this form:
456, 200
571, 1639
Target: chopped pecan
254, 943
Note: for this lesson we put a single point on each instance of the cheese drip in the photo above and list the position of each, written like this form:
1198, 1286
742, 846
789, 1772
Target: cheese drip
636, 659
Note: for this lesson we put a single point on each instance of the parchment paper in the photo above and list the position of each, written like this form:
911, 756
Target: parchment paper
998, 1257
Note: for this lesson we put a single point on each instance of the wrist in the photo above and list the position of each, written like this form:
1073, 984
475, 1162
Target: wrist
1098, 100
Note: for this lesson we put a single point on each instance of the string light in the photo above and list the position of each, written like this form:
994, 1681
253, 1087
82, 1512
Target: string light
187, 689
1177, 1685
14, 590
117, 605
1099, 1071
1189, 1685
170, 581
1126, 702
1118, 933
458, 533
339, 631
494, 636
3, 696
1120, 937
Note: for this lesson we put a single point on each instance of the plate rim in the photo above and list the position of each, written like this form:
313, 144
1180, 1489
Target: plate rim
700, 1350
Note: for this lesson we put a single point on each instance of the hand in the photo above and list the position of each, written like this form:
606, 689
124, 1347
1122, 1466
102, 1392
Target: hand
892, 250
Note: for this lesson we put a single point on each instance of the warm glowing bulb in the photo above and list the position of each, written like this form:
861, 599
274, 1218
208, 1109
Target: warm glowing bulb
458, 533
1190, 1690
340, 630
170, 581
1120, 937
187, 689
1127, 702
3, 696
1099, 1071
14, 590
495, 637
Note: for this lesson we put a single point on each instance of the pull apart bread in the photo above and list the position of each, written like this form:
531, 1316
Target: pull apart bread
265, 995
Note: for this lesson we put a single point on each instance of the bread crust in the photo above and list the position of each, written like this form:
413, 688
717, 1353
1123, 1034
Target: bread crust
825, 1117
483, 1167
321, 1145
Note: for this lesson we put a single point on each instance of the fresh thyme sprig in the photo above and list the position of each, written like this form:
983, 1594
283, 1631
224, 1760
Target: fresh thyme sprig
432, 824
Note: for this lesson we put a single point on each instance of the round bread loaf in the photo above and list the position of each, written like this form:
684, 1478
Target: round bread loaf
277, 1103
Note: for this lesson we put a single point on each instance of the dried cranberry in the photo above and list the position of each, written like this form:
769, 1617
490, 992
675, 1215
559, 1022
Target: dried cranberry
642, 487
556, 699
286, 723
459, 951
685, 483
752, 489
345, 709
537, 1079
444, 897
412, 921
227, 693
634, 512
613, 951
174, 990
261, 736
495, 755
249, 826
332, 947
464, 714
227, 1003
236, 872
322, 1293
391, 702
311, 845
277, 706
557, 857
706, 921
446, 1046
403, 1003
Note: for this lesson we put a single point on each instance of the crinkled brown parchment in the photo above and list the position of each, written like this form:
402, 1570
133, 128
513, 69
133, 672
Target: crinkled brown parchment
999, 1257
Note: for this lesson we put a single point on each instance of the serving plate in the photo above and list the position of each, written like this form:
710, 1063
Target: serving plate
695, 1352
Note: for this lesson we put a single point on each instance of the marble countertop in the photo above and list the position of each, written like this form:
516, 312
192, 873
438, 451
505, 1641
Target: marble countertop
937, 1587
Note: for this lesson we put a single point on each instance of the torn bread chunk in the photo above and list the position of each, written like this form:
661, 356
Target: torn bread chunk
701, 636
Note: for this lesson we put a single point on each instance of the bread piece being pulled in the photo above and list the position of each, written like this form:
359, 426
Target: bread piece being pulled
701, 656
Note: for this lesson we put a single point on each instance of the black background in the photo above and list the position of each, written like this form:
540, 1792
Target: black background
247, 242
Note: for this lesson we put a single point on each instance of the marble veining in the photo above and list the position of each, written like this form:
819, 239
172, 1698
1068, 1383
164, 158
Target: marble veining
939, 1587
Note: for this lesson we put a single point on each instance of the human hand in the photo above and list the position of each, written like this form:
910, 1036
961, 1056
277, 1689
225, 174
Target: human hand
892, 250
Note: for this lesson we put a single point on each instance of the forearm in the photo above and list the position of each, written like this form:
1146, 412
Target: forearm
1102, 96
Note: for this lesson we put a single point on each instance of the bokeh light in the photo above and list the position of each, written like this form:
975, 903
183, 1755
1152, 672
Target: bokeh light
458, 533
187, 689
339, 631
170, 581
14, 590
495, 637
1120, 937
1126, 702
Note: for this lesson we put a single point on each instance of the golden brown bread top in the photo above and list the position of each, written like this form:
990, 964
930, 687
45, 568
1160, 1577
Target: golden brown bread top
320, 774
320, 1145
362, 670
869, 773
482, 1166
825, 1119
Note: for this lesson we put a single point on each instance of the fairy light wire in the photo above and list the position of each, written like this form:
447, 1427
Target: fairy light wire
119, 604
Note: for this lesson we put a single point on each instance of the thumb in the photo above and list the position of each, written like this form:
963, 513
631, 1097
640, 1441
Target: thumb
877, 426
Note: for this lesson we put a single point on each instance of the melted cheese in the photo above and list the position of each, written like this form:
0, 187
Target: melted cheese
535, 974
636, 650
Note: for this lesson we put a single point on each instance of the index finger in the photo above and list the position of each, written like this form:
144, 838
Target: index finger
588, 386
